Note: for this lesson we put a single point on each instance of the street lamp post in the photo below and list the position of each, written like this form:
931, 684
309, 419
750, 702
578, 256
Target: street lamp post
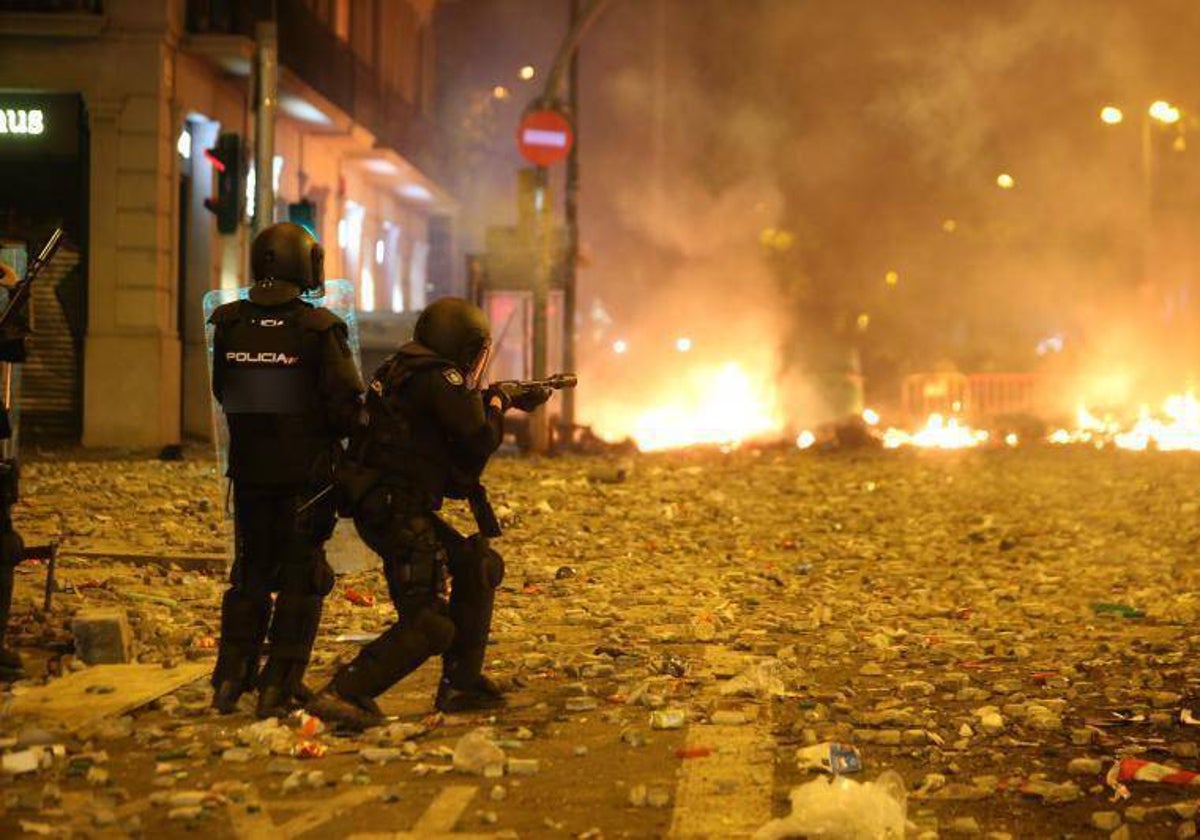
1164, 114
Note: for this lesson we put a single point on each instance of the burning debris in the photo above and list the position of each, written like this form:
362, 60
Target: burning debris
1175, 427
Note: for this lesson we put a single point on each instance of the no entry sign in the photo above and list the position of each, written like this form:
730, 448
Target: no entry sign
544, 137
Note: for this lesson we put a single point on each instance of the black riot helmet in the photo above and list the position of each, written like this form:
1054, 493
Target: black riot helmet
457, 330
285, 260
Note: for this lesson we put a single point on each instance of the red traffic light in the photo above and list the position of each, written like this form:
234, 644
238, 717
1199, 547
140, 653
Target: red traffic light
216, 161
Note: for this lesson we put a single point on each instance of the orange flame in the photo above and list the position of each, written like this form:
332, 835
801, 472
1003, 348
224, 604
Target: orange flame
717, 405
938, 433
1176, 427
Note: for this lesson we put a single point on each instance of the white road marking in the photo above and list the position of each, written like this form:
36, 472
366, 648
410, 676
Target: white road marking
258, 825
728, 793
439, 819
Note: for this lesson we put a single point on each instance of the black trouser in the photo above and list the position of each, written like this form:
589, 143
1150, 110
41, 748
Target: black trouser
280, 551
418, 550
12, 550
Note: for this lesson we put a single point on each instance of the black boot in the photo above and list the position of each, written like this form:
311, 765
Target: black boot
293, 632
345, 711
11, 550
349, 698
463, 687
243, 626
475, 695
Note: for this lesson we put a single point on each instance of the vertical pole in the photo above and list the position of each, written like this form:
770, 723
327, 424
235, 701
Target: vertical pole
539, 430
1147, 194
266, 101
572, 223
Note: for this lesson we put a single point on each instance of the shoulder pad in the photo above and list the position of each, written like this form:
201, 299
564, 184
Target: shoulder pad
318, 319
226, 313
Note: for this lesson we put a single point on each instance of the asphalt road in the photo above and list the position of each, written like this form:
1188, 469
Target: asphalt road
997, 627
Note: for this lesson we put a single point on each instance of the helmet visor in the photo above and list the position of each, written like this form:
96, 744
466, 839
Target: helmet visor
479, 369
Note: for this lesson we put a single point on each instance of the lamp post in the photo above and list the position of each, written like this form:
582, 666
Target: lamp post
1163, 114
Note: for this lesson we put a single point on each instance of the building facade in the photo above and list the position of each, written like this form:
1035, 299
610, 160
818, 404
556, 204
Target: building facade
109, 108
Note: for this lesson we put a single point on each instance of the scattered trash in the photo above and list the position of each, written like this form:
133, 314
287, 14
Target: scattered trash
1137, 770
843, 809
693, 752
830, 758
668, 719
359, 599
25, 761
762, 680
672, 665
1121, 610
309, 750
476, 753
310, 725
523, 766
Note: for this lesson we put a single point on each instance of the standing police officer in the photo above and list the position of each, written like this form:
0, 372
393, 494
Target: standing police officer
428, 434
285, 377
12, 548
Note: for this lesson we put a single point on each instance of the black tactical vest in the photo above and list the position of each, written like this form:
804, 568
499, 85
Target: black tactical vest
399, 438
267, 363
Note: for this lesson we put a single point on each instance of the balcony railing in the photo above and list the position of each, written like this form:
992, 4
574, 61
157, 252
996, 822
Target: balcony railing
324, 61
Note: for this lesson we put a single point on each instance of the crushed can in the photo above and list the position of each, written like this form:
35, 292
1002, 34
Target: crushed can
668, 719
830, 757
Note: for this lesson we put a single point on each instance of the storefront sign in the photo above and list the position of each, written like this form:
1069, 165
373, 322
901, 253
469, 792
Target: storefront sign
40, 125
22, 121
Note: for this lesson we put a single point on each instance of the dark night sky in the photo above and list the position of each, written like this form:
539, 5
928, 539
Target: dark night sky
859, 127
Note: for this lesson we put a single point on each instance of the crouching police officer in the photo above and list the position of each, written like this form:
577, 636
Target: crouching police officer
285, 377
428, 434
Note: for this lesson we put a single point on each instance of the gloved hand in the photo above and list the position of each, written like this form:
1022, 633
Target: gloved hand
494, 395
531, 398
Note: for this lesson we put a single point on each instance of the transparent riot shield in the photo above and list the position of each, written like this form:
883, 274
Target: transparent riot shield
344, 551
15, 255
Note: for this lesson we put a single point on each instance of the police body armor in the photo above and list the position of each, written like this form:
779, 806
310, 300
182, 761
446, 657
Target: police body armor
269, 366
386, 447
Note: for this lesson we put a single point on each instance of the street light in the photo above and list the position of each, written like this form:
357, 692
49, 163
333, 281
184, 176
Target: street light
1005, 181
1164, 112
527, 72
1166, 115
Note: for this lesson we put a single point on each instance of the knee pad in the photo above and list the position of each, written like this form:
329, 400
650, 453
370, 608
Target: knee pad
477, 565
493, 568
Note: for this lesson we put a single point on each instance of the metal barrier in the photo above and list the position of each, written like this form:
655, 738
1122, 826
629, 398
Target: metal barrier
977, 396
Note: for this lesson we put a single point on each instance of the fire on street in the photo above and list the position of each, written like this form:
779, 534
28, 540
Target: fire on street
997, 626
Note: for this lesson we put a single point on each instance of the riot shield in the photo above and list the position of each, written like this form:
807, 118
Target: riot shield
16, 256
344, 552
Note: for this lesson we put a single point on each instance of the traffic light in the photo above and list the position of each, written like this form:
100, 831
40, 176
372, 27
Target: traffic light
226, 159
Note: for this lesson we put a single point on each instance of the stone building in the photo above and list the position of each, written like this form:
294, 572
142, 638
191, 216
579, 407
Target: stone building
108, 109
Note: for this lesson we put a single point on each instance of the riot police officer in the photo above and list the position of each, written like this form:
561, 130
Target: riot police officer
12, 549
286, 380
428, 433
